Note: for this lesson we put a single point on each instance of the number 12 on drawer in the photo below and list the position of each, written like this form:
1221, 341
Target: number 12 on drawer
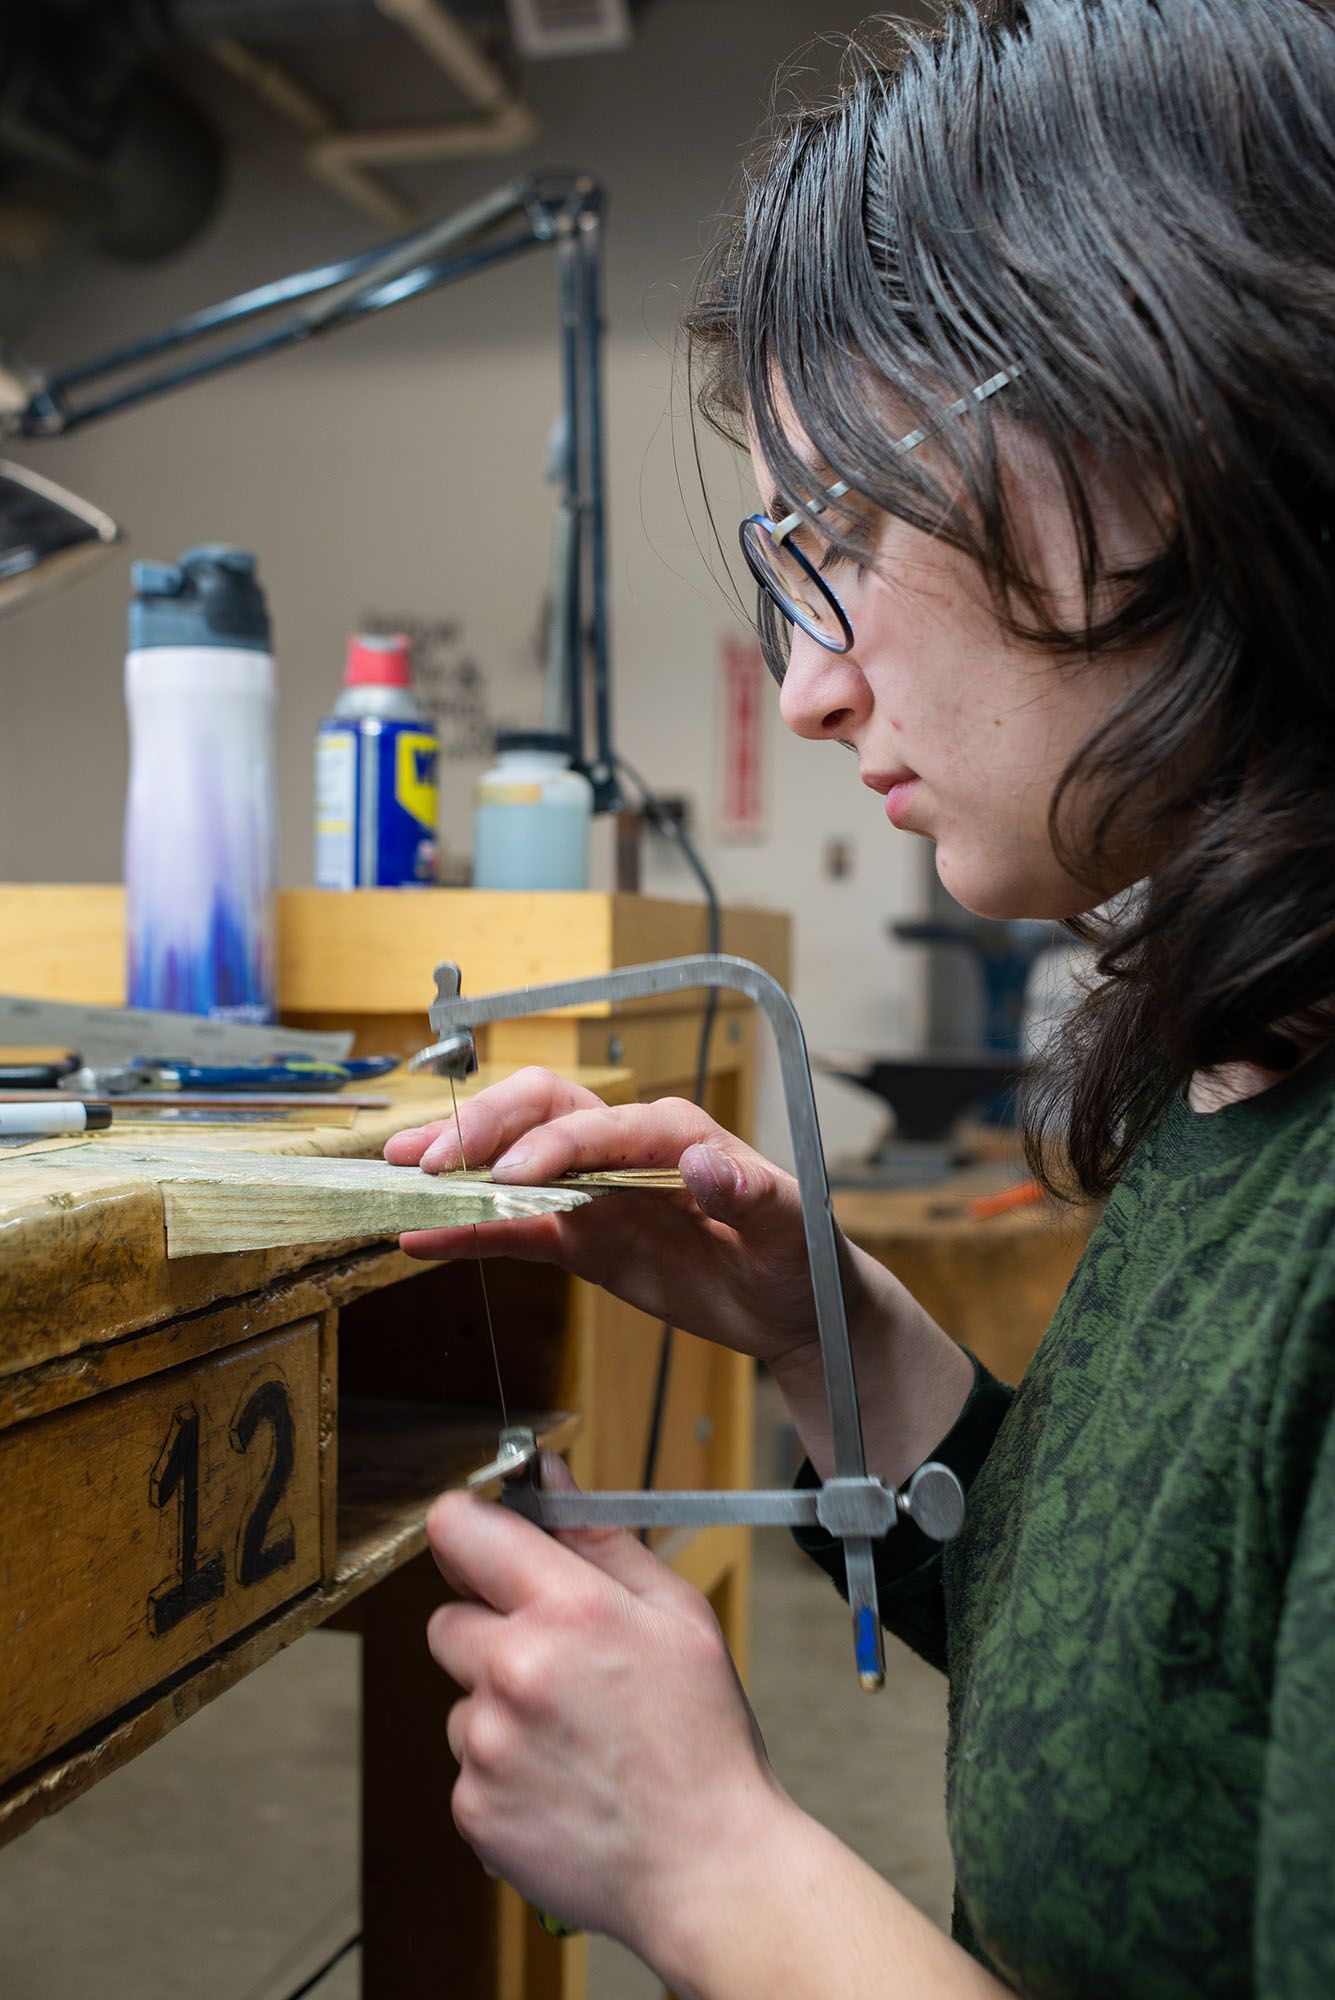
145, 1527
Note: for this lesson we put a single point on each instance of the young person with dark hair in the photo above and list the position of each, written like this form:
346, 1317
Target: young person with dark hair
1031, 335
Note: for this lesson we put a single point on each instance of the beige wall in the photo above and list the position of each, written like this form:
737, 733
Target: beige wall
397, 466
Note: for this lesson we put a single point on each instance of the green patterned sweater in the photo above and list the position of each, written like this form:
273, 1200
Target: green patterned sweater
1138, 1622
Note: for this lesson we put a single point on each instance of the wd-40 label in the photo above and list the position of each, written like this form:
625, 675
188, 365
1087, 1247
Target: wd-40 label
375, 804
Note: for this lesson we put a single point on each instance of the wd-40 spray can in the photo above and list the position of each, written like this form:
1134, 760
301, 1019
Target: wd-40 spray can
375, 776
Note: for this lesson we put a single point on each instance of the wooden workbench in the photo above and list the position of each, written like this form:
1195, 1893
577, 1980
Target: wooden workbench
202, 1458
992, 1281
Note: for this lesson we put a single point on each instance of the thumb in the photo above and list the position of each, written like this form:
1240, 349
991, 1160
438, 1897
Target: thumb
740, 1188
615, 1551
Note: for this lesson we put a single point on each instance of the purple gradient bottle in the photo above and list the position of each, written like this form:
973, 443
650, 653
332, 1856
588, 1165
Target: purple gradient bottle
200, 844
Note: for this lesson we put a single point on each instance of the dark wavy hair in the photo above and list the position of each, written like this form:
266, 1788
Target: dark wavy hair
1134, 200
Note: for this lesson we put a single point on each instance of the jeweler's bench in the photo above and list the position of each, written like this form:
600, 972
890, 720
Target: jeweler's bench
204, 1457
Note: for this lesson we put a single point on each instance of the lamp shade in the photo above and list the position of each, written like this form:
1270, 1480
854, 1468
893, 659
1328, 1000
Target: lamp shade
47, 535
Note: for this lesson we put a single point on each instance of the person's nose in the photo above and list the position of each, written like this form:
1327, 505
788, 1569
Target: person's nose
824, 695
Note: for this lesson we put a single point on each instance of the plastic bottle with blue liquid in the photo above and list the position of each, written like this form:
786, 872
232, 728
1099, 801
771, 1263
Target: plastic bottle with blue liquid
200, 834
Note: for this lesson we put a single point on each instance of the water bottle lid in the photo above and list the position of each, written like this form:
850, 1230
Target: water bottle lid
210, 597
375, 660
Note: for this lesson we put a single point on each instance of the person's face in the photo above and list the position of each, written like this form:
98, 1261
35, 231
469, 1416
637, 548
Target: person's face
961, 729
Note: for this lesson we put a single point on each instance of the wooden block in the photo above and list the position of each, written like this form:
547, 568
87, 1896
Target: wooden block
64, 941
237, 1201
253, 1202
146, 1527
645, 927
372, 951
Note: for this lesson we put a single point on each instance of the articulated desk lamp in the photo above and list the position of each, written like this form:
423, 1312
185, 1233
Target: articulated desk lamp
47, 534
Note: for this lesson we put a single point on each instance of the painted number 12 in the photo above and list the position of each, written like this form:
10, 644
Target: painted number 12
201, 1579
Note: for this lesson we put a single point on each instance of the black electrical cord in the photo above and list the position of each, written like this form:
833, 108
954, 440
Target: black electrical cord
300, 1952
668, 823
335, 1958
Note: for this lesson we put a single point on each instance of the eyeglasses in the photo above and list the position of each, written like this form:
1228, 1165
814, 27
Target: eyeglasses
790, 580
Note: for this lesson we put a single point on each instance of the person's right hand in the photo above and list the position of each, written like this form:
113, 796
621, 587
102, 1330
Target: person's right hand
725, 1258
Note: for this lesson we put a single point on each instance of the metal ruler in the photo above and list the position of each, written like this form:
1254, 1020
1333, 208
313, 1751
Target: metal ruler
118, 1034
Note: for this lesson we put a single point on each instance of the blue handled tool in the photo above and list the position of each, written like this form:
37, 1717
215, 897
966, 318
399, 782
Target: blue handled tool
283, 1073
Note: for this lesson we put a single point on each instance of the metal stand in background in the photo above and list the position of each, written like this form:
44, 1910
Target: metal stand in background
854, 1506
559, 209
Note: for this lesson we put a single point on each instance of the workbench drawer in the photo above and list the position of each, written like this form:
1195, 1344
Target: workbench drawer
146, 1527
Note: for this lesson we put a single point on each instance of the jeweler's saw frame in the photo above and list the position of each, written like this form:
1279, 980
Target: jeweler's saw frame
853, 1506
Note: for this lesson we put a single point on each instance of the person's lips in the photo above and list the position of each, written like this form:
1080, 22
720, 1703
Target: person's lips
896, 788
898, 800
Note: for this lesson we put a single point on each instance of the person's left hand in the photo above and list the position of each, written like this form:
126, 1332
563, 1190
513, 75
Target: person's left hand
609, 1762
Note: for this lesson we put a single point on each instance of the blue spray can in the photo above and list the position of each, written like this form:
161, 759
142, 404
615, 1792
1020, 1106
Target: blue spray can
375, 776
200, 840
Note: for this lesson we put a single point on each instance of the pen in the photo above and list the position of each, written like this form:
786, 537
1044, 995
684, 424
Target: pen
48, 1118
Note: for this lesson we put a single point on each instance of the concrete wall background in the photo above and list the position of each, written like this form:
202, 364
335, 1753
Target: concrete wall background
396, 468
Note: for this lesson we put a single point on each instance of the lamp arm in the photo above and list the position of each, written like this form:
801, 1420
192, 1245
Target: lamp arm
555, 208
336, 294
228, 312
48, 414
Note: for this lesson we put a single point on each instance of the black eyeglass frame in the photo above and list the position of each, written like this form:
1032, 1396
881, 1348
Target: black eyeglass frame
811, 510
778, 532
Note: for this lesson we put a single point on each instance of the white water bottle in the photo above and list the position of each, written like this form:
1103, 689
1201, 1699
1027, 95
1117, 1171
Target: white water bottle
200, 845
